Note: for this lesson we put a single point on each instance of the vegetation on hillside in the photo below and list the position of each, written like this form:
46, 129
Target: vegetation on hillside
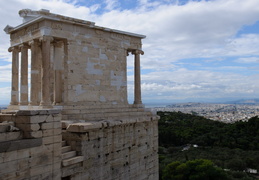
232, 147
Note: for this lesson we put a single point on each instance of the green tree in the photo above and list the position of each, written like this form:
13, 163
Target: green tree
200, 169
236, 165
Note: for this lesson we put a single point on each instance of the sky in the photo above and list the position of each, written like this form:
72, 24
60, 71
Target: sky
195, 50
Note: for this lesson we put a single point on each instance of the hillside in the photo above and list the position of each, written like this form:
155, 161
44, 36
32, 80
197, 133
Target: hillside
185, 137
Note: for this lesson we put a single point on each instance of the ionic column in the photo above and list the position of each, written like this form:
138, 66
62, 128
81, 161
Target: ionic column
45, 90
137, 79
24, 75
58, 71
15, 76
35, 73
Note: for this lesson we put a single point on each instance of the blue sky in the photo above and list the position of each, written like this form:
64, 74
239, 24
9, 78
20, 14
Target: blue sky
194, 51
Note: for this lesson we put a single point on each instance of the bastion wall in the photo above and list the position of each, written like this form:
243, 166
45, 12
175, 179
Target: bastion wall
118, 148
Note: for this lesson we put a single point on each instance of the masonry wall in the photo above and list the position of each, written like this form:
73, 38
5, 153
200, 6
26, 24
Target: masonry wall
36, 153
121, 150
95, 68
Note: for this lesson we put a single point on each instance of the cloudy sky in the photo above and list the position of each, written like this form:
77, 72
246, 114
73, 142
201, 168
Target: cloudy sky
195, 50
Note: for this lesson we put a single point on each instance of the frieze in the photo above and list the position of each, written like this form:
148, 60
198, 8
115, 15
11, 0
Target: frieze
58, 26
117, 36
25, 31
120, 36
98, 32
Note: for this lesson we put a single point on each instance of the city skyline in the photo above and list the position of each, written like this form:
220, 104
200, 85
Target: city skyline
194, 51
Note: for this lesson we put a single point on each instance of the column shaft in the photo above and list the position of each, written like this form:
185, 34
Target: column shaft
24, 75
58, 71
137, 79
15, 77
45, 81
35, 73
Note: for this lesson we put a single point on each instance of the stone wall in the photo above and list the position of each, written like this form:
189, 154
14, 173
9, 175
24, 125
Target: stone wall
35, 155
116, 149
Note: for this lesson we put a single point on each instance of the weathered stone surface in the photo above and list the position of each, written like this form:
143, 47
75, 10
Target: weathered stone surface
33, 134
83, 127
21, 119
52, 139
4, 127
52, 125
73, 160
125, 146
19, 144
72, 170
51, 132
10, 136
66, 123
28, 127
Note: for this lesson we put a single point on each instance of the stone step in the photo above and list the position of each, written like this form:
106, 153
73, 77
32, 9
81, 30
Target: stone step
65, 149
64, 143
65, 123
73, 160
69, 154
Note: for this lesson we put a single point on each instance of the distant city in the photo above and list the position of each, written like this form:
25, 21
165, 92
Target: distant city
3, 107
236, 111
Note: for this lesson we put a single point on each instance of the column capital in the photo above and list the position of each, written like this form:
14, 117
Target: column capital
135, 51
11, 49
58, 43
24, 45
46, 38
34, 41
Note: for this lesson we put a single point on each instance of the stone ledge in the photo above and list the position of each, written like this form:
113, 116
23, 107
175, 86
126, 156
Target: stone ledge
19, 144
82, 127
37, 112
31, 112
4, 127
10, 136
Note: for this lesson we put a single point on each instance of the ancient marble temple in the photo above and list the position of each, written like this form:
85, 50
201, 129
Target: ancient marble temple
69, 117
73, 62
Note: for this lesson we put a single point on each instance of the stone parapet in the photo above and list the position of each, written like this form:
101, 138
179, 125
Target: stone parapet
116, 149
98, 113
81, 127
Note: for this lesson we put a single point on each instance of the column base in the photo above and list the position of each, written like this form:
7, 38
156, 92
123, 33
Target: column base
45, 104
45, 107
25, 103
14, 108
138, 105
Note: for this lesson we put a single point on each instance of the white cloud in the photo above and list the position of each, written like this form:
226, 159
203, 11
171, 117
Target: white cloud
248, 60
5, 94
197, 29
5, 73
183, 83
111, 4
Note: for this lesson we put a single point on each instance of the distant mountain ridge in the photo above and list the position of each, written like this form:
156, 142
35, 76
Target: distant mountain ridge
244, 101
